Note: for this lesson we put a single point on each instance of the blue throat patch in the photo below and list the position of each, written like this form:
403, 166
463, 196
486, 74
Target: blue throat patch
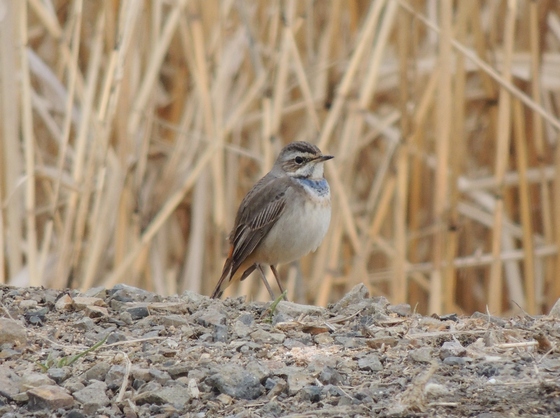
319, 185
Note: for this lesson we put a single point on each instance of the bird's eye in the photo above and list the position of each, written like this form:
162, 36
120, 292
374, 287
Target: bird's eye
299, 160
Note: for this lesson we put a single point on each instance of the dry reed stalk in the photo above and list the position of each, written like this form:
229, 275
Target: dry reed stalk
525, 207
538, 136
443, 137
554, 292
29, 150
10, 207
495, 290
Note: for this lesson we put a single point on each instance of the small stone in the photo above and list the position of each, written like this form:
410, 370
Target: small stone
178, 370
402, 309
84, 324
115, 376
258, 369
192, 389
211, 317
452, 349
174, 320
177, 396
93, 397
33, 380
351, 342
159, 376
97, 371
421, 355
293, 310
555, 311
276, 386
10, 382
115, 337
28, 304
189, 296
330, 376
297, 380
435, 390
96, 311
370, 362
64, 303
138, 312
323, 339
356, 295
141, 373
59, 375
456, 361
49, 397
224, 399
310, 394
262, 336
489, 318
125, 293
75, 413
82, 302
235, 381
96, 292
73, 384
12, 332
241, 329
37, 317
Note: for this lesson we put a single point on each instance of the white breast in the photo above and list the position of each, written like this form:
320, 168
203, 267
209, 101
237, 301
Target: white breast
300, 230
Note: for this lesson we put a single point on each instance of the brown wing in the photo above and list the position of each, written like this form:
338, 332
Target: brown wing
257, 214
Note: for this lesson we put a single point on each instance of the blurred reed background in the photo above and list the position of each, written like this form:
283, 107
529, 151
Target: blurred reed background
130, 131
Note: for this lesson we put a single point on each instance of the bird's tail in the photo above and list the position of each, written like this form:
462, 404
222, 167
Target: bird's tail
225, 280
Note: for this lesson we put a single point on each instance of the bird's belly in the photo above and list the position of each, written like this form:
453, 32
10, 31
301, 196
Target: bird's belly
297, 232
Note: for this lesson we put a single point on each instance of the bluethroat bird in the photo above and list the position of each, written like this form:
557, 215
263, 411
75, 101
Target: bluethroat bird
283, 217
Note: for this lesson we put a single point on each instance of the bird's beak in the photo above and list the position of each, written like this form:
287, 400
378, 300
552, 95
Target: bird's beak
325, 157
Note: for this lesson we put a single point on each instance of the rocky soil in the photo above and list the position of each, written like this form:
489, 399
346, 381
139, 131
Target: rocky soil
127, 352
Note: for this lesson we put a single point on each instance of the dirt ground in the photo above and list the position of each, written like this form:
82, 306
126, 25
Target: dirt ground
128, 352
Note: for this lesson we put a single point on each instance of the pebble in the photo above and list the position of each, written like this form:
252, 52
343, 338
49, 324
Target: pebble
115, 376
422, 355
236, 381
84, 324
92, 397
330, 376
125, 293
93, 311
49, 397
59, 375
138, 312
295, 310
456, 361
370, 363
298, 379
10, 382
64, 303
211, 317
262, 336
33, 380
357, 294
12, 332
28, 304
98, 371
555, 311
82, 302
452, 349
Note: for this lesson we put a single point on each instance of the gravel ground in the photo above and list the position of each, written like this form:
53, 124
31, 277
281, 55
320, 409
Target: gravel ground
127, 352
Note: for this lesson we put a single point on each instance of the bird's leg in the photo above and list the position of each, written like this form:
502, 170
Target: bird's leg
263, 277
275, 272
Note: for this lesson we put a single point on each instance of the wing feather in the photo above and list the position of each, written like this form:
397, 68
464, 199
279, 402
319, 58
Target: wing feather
257, 215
